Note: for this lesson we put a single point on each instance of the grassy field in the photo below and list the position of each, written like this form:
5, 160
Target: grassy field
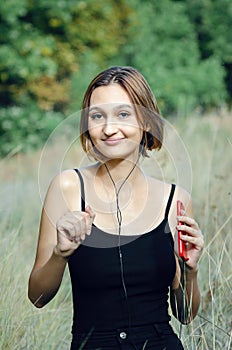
208, 143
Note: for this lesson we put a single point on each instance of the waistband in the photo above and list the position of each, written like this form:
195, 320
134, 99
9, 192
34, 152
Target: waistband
155, 331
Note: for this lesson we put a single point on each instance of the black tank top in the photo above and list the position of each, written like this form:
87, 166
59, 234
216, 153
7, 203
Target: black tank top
102, 299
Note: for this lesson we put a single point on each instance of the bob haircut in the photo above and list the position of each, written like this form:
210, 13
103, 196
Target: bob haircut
141, 97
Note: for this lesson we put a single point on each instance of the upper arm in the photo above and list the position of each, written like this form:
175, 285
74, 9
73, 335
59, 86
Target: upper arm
62, 196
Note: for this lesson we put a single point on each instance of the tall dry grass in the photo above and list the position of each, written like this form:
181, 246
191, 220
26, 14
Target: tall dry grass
208, 143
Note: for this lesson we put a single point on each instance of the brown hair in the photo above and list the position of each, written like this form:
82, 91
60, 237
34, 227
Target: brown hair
141, 97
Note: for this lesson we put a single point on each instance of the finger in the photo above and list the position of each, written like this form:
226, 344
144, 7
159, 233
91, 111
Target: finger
90, 219
81, 221
85, 221
188, 229
83, 227
89, 211
70, 224
187, 220
183, 212
89, 223
68, 221
68, 230
65, 226
74, 216
78, 221
195, 240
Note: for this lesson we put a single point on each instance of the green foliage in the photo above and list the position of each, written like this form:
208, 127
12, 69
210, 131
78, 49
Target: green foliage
47, 39
212, 21
167, 54
50, 50
43, 43
81, 79
23, 129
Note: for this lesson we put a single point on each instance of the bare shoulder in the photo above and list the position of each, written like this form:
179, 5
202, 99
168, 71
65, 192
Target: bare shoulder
161, 188
155, 182
179, 191
66, 179
64, 192
161, 191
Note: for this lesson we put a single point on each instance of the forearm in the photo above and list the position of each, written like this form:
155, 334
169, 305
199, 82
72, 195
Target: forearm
45, 282
185, 300
193, 296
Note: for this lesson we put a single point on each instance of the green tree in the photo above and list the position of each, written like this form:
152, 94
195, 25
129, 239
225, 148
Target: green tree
50, 49
166, 51
42, 43
212, 20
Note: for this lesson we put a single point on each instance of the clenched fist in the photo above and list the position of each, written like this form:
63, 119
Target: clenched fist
72, 228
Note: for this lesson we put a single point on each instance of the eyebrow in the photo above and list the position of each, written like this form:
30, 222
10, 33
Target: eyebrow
117, 107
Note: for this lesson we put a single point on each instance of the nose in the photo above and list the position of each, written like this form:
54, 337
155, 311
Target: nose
110, 127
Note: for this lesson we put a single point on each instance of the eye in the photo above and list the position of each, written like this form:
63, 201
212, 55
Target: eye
96, 116
124, 114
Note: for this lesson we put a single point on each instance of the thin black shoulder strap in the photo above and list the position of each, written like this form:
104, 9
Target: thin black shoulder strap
82, 190
170, 200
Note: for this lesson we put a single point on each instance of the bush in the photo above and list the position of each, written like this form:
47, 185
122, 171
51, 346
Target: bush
25, 128
166, 51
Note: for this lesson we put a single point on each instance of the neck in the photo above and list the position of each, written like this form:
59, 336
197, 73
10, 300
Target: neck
120, 181
119, 170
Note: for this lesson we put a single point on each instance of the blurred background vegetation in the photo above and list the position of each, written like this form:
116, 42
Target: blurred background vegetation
50, 49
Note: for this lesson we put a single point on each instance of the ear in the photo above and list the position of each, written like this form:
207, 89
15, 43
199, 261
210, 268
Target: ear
147, 128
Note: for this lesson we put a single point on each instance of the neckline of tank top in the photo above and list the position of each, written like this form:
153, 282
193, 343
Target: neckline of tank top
102, 239
139, 235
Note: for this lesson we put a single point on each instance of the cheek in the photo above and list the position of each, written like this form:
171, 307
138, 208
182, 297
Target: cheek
93, 129
137, 131
95, 134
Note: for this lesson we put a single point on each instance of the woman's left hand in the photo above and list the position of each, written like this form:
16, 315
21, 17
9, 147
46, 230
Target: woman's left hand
193, 239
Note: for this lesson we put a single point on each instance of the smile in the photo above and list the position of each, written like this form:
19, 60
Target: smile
112, 142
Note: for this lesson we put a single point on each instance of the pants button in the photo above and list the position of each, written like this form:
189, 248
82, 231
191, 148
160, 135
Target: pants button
123, 335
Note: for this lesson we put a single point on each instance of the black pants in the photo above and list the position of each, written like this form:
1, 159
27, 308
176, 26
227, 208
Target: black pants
159, 336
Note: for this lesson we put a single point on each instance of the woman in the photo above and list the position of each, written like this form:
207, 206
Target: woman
115, 228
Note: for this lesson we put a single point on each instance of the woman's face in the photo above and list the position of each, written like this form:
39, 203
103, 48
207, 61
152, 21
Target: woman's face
113, 124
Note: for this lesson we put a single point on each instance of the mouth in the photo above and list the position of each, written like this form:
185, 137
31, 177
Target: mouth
112, 142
